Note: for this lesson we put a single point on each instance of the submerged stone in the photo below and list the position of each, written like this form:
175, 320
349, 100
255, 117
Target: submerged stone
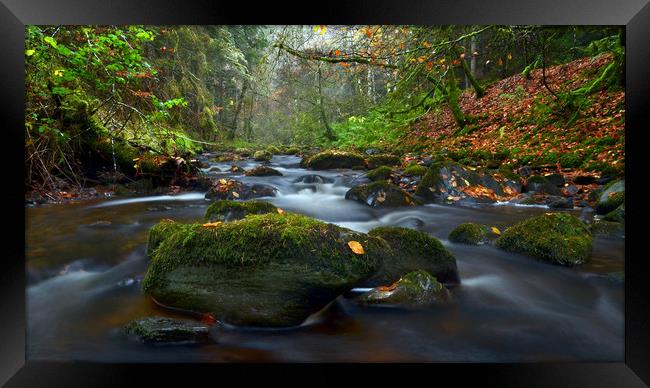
557, 238
414, 289
380, 194
168, 330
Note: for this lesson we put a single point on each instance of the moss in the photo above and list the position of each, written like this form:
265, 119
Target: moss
333, 159
273, 150
243, 152
558, 238
263, 171
469, 233
612, 202
375, 161
417, 288
380, 194
226, 210
616, 215
507, 172
413, 250
262, 156
262, 239
379, 173
429, 181
292, 151
160, 232
415, 170
167, 330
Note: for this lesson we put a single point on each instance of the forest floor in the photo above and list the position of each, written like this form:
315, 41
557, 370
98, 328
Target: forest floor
515, 122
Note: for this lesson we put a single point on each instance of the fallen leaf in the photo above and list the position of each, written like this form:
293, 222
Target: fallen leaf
496, 230
356, 247
280, 211
235, 194
387, 288
208, 319
212, 224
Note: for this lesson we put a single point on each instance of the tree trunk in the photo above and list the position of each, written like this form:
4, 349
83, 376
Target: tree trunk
240, 101
329, 133
451, 95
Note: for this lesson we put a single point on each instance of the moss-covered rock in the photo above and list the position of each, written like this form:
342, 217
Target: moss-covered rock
379, 174
557, 238
375, 161
244, 152
313, 179
262, 156
168, 330
608, 202
263, 171
413, 250
333, 159
160, 232
469, 233
541, 184
273, 150
616, 215
415, 170
446, 179
414, 289
264, 270
608, 229
226, 211
292, 151
380, 194
234, 190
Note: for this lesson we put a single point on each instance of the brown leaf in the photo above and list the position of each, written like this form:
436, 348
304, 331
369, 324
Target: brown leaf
356, 247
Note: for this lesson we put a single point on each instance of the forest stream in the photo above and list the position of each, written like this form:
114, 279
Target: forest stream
85, 262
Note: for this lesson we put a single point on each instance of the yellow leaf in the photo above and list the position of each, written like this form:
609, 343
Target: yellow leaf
235, 194
29, 53
280, 211
222, 181
212, 224
496, 230
356, 247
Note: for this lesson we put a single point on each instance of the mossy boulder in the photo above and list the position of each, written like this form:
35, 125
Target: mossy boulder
273, 150
262, 156
414, 289
160, 232
415, 170
379, 174
610, 197
264, 270
292, 151
313, 179
263, 171
375, 161
412, 250
333, 159
380, 194
447, 179
557, 238
227, 211
541, 184
469, 233
244, 152
616, 215
162, 330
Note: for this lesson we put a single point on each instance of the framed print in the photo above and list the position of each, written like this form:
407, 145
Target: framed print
389, 188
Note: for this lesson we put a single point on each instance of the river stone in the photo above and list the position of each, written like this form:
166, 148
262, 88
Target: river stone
611, 196
270, 270
225, 211
380, 173
447, 179
540, 184
262, 156
380, 194
412, 250
233, 190
469, 233
414, 289
375, 161
556, 179
263, 171
557, 238
168, 330
333, 159
557, 202
313, 179
616, 215
608, 229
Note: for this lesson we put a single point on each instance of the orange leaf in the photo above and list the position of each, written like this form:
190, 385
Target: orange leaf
280, 211
496, 230
356, 247
337, 53
212, 224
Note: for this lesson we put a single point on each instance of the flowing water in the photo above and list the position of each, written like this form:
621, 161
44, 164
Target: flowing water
85, 262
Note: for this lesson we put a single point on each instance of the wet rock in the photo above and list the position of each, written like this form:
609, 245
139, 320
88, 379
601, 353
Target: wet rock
372, 151
380, 194
587, 215
611, 196
332, 160
584, 179
234, 190
427, 161
412, 250
262, 156
445, 180
226, 211
414, 289
375, 161
560, 203
235, 168
379, 174
571, 190
264, 270
557, 238
263, 171
556, 179
540, 184
525, 171
214, 169
469, 233
616, 215
313, 179
608, 229
160, 330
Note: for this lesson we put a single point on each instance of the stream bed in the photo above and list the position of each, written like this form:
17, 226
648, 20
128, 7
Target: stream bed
85, 260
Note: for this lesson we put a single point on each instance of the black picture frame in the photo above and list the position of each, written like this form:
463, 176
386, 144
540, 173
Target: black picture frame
15, 14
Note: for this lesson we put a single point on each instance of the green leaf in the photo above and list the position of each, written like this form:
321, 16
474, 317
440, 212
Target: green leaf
29, 53
51, 41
